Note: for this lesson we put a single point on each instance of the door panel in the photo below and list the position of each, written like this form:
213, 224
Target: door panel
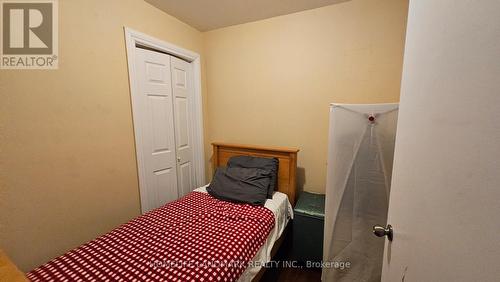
182, 112
159, 109
444, 202
185, 175
154, 107
183, 91
165, 182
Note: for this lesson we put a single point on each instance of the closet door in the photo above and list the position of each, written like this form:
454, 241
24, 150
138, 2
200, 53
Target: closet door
183, 91
154, 126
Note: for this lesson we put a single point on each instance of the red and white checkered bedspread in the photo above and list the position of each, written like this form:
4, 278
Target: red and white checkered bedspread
196, 238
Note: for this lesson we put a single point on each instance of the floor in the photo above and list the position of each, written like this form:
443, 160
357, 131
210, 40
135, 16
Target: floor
292, 272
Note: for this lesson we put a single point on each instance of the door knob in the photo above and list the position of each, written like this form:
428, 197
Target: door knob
381, 231
178, 159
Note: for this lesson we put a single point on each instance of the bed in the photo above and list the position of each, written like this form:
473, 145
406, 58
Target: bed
195, 238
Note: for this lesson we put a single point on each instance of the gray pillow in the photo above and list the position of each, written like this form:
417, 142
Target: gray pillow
240, 185
269, 164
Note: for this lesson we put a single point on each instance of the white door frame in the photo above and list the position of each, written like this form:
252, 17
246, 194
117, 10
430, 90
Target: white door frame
134, 38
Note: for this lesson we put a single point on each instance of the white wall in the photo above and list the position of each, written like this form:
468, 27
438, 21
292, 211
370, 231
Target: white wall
445, 197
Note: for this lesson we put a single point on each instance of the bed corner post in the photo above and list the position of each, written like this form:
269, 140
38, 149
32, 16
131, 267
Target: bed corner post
215, 157
293, 181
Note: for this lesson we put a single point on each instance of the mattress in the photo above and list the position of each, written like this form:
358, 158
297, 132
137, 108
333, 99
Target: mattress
195, 238
282, 209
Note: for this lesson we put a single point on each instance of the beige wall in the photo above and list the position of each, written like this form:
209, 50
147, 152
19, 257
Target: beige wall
270, 82
67, 167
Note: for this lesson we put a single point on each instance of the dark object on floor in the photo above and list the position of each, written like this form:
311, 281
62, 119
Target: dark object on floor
308, 227
285, 268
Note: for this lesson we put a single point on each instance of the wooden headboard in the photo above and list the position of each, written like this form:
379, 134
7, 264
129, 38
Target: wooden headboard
287, 162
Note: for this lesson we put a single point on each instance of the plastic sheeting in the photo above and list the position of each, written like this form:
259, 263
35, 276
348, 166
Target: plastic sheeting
360, 155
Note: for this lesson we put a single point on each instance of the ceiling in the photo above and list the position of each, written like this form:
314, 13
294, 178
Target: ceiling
206, 15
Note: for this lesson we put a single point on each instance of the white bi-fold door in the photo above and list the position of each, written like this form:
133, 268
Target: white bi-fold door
182, 87
162, 124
